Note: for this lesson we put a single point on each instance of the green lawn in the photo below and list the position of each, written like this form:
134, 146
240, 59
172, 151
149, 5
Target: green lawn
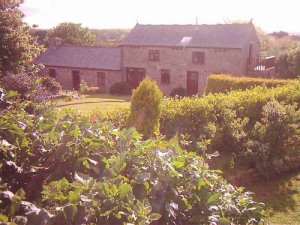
282, 198
89, 103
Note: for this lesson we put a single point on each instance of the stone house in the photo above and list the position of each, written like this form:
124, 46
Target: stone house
184, 55
98, 66
172, 55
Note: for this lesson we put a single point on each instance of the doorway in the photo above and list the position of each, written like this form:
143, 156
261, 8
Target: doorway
192, 83
76, 80
134, 76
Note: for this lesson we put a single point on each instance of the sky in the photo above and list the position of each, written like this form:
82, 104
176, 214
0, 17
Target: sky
270, 15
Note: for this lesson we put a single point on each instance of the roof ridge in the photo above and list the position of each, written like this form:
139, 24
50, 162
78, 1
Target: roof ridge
88, 46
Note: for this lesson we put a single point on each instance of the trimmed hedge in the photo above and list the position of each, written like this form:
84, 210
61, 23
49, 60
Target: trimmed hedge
223, 83
120, 88
258, 128
231, 121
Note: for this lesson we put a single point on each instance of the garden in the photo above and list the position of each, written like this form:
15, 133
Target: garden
231, 156
176, 161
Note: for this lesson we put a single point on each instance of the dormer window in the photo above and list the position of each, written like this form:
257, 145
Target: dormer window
154, 55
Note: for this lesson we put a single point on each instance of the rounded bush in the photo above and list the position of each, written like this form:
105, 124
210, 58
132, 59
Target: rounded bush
145, 108
121, 88
179, 91
51, 85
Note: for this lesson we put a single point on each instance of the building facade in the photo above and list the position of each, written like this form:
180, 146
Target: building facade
185, 55
172, 55
69, 65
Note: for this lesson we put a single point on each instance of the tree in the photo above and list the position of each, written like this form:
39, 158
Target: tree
18, 48
145, 108
72, 33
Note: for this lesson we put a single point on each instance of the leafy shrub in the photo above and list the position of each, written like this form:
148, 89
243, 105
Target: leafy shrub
37, 89
275, 137
68, 98
145, 108
179, 91
83, 87
92, 173
51, 85
229, 119
117, 116
224, 83
120, 88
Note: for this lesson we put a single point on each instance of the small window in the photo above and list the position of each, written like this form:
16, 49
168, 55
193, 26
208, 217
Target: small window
101, 79
198, 57
165, 76
52, 73
154, 55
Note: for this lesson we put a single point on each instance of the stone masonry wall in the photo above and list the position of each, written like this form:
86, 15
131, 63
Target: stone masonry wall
64, 76
179, 61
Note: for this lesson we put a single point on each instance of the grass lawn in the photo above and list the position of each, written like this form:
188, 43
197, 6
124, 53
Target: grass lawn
282, 198
89, 103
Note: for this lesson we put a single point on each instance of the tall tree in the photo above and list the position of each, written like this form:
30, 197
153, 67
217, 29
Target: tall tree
72, 33
18, 48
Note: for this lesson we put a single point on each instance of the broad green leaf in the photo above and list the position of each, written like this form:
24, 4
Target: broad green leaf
224, 221
124, 189
3, 218
213, 198
154, 216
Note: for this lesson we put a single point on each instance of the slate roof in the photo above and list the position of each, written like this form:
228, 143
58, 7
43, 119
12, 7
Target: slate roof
220, 35
82, 57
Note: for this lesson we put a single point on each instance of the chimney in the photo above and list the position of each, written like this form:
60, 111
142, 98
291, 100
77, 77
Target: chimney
54, 42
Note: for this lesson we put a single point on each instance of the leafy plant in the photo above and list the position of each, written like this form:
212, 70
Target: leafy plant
83, 87
120, 88
145, 108
223, 83
93, 173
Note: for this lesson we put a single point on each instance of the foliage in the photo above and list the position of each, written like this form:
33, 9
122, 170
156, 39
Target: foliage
92, 173
179, 91
109, 37
275, 137
17, 48
287, 52
72, 34
51, 85
118, 116
105, 37
31, 87
83, 87
223, 83
120, 88
231, 122
145, 108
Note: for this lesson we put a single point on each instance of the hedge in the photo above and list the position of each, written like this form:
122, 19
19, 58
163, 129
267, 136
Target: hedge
243, 125
231, 120
223, 83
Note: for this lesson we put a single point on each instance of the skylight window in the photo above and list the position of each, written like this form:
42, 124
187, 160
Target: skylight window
185, 40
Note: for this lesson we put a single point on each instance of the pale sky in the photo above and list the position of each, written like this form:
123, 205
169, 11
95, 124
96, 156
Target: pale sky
270, 15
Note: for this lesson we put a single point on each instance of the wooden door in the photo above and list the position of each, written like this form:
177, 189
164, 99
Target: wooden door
192, 83
76, 80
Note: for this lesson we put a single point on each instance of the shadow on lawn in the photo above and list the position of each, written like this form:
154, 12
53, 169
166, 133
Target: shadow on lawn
280, 195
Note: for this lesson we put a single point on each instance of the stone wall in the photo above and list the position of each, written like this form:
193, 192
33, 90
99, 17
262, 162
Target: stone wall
179, 61
64, 76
